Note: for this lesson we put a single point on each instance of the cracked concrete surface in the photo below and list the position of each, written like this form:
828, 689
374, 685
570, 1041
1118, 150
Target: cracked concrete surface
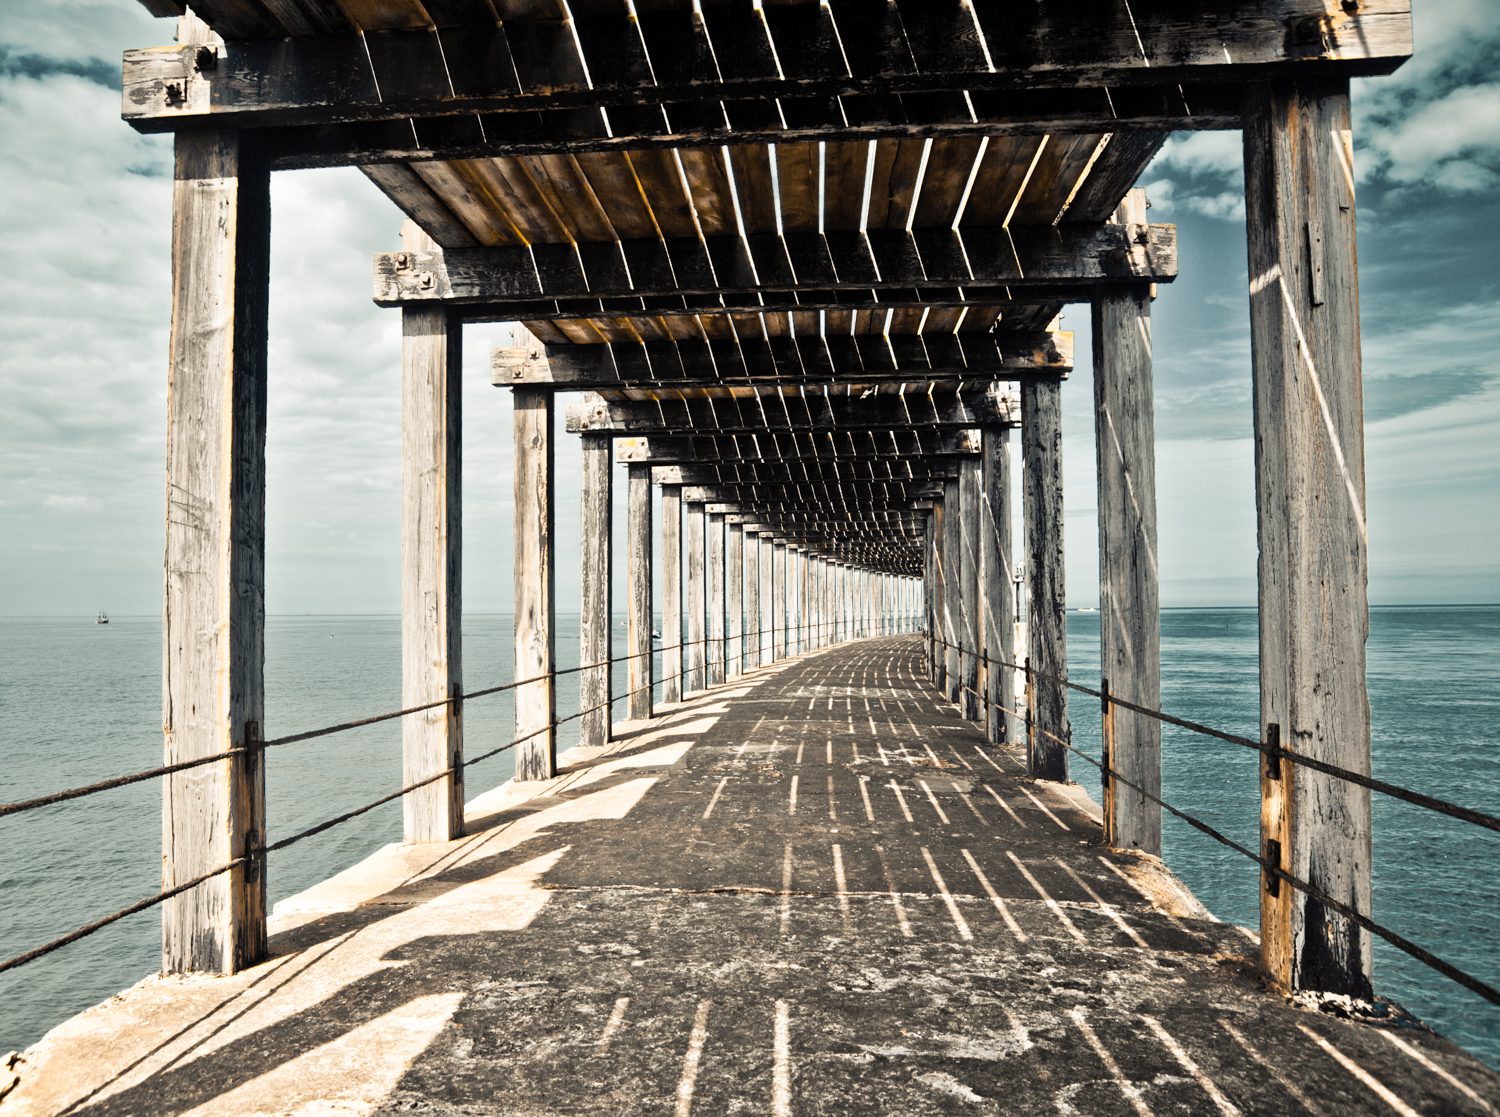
814, 890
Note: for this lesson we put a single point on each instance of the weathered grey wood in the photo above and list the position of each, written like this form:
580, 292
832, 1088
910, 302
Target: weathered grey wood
1310, 495
937, 620
696, 652
723, 414
672, 650
902, 444
767, 599
968, 577
996, 576
431, 552
1129, 618
812, 471
734, 561
861, 358
752, 598
1063, 256
716, 601
639, 620
327, 80
213, 642
596, 609
778, 601
953, 588
535, 577
1046, 620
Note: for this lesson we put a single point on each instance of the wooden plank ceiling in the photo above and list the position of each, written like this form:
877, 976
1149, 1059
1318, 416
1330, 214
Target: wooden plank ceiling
739, 190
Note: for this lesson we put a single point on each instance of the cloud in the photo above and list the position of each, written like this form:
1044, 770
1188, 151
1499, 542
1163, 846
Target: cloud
1451, 142
1389, 397
38, 66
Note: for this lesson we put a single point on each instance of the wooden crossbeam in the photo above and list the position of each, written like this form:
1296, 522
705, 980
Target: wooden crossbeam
803, 412
668, 308
760, 61
837, 495
781, 446
760, 473
797, 359
1068, 256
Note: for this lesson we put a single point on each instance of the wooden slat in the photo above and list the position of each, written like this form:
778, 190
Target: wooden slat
640, 621
671, 593
595, 607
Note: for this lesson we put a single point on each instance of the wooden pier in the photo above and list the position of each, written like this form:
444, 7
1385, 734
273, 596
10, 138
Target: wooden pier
799, 267
815, 890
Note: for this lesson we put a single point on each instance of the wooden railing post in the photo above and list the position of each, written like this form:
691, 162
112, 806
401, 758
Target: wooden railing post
639, 619
671, 594
752, 599
1310, 497
431, 552
596, 606
1047, 620
214, 610
970, 515
535, 594
953, 588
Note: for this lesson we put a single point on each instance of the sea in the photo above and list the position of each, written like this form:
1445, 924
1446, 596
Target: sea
80, 701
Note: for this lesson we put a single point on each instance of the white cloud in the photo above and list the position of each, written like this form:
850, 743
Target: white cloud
1452, 142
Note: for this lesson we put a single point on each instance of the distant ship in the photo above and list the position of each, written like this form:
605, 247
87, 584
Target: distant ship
102, 618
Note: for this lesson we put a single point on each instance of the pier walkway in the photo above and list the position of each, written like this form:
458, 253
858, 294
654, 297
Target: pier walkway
815, 890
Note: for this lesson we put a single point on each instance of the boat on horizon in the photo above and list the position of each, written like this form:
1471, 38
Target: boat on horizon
102, 618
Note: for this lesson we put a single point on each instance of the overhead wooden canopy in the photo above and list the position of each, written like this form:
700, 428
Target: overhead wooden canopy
734, 220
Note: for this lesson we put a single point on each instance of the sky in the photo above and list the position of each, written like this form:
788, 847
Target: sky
85, 204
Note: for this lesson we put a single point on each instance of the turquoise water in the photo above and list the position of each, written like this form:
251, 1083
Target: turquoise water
78, 702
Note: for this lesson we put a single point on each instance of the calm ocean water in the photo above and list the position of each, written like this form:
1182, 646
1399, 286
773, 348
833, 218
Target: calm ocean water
78, 702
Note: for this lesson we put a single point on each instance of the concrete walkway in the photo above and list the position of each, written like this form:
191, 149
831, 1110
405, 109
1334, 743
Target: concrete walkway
813, 891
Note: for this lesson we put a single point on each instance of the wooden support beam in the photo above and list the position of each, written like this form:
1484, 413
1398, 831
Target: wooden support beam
431, 555
696, 652
824, 470
1061, 256
812, 359
881, 412
823, 494
734, 560
800, 448
1046, 620
767, 599
214, 628
968, 580
937, 655
718, 604
778, 601
752, 596
1129, 618
639, 621
996, 576
596, 611
953, 588
633, 65
535, 594
672, 657
1310, 496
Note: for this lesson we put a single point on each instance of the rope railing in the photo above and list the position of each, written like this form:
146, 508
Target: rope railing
1475, 985
52, 798
262, 852
1269, 749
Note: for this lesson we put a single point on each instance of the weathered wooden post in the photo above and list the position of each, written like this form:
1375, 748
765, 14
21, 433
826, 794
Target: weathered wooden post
671, 594
213, 689
752, 599
431, 554
778, 600
717, 603
789, 639
1310, 496
997, 605
936, 655
767, 599
697, 613
639, 619
535, 576
596, 605
968, 577
1129, 618
734, 558
953, 587
1047, 619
